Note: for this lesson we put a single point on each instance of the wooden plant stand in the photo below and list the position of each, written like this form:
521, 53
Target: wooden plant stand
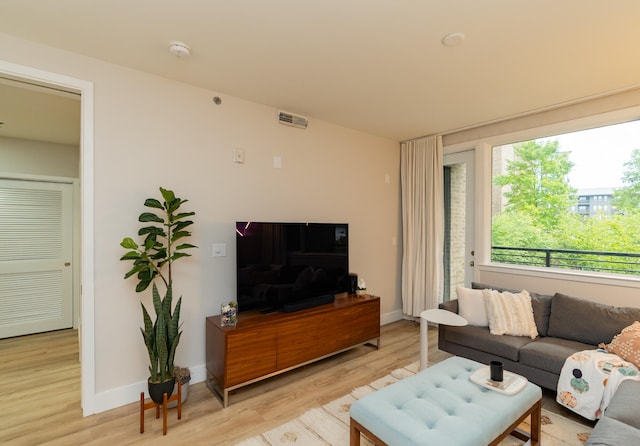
144, 406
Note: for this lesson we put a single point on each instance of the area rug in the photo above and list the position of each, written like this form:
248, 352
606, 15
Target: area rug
329, 424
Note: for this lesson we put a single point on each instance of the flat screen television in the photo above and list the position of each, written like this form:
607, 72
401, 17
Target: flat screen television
285, 265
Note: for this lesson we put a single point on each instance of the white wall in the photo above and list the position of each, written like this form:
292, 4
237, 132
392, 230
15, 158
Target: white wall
152, 132
39, 158
619, 292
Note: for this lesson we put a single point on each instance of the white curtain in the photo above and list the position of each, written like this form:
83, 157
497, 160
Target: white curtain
422, 186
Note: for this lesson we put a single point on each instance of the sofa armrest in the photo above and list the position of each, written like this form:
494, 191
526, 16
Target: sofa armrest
624, 405
451, 305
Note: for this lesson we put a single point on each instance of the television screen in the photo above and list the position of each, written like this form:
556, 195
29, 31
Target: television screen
284, 263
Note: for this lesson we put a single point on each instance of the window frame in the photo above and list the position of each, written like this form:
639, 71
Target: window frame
483, 148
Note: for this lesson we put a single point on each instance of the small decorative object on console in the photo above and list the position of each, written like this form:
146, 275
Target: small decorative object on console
229, 314
362, 287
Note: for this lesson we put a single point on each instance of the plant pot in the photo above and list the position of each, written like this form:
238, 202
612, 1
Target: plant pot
156, 390
185, 392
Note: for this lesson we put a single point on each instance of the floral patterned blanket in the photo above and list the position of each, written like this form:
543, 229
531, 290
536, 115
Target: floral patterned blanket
589, 380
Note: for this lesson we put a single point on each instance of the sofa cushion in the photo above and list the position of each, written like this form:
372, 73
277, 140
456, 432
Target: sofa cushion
550, 353
479, 338
624, 405
471, 306
510, 313
540, 303
610, 432
586, 321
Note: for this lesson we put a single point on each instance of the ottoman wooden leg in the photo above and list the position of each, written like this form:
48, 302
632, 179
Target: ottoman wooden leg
535, 416
356, 429
354, 436
536, 424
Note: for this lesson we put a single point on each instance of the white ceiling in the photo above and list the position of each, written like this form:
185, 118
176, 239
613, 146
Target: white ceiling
374, 65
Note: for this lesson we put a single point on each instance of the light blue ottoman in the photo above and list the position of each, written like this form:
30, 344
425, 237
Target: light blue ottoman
440, 406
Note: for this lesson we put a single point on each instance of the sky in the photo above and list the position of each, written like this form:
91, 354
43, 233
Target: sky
599, 154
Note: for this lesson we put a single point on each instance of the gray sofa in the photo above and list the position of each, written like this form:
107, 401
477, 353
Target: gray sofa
620, 424
565, 325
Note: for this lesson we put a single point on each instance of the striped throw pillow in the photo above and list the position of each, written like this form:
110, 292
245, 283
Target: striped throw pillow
510, 313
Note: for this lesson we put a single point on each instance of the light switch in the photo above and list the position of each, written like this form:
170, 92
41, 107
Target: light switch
219, 249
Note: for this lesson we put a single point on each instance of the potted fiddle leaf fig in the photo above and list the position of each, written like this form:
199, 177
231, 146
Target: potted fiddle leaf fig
165, 230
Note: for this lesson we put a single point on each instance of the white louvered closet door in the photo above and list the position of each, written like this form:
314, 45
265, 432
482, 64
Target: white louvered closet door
35, 257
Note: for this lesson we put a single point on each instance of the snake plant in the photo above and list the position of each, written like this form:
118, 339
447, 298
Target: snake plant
156, 254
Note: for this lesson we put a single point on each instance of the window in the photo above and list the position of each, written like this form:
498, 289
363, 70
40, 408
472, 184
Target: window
548, 198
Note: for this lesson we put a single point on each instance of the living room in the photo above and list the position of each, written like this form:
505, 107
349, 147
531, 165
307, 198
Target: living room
141, 131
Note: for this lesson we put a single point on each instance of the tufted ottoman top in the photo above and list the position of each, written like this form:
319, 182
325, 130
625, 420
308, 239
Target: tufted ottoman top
440, 406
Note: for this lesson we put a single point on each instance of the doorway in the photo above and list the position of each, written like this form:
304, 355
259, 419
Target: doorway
459, 203
36, 255
86, 327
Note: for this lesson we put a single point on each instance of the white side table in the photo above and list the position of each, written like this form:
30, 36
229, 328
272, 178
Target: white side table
439, 316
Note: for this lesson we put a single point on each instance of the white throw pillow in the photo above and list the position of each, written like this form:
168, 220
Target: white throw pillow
471, 306
510, 313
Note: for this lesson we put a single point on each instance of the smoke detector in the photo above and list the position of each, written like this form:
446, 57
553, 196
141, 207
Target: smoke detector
453, 39
179, 49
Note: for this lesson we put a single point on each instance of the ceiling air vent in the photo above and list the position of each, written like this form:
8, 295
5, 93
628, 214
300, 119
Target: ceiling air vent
292, 120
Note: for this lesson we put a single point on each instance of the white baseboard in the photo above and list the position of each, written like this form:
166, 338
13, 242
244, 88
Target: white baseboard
393, 316
121, 396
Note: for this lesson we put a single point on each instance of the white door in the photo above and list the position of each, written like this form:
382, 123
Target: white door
35, 257
459, 177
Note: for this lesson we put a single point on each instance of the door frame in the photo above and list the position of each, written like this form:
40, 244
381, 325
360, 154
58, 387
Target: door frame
87, 300
467, 157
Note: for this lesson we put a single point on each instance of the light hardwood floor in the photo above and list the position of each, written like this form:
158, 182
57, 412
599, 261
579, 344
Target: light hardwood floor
40, 394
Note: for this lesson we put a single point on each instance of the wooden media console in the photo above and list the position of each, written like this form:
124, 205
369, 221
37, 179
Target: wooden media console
264, 345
